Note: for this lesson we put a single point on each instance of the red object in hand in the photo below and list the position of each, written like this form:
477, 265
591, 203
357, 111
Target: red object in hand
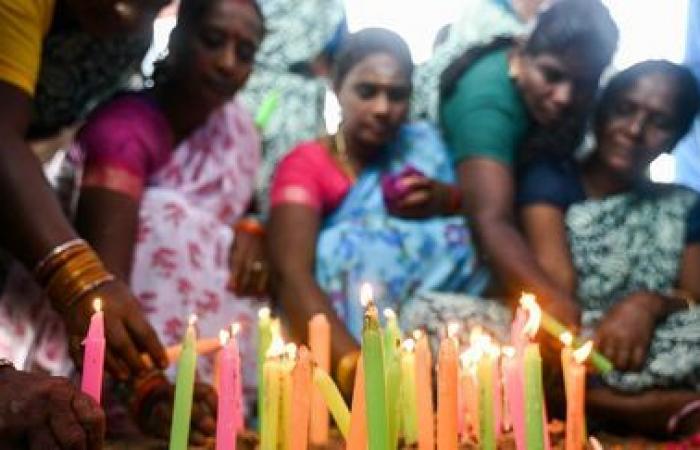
392, 188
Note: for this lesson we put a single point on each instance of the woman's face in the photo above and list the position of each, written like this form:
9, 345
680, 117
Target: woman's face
217, 54
374, 100
641, 124
551, 85
104, 18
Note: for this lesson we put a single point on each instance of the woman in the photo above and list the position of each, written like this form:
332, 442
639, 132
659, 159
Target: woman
627, 249
329, 227
169, 174
494, 99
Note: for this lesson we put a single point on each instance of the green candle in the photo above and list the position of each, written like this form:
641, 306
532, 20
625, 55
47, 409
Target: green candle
392, 365
264, 339
556, 329
534, 398
375, 391
409, 398
487, 429
184, 389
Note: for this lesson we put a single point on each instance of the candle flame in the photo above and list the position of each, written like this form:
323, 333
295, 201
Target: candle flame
475, 335
366, 295
235, 328
224, 336
566, 338
291, 351
453, 329
595, 443
264, 313
582, 353
389, 314
409, 345
494, 350
97, 304
534, 316
192, 320
276, 347
508, 352
417, 335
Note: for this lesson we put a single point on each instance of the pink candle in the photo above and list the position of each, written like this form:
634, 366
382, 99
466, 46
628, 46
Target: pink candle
515, 374
94, 357
226, 426
238, 383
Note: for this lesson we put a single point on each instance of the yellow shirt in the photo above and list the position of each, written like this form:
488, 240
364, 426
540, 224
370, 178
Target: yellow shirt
23, 25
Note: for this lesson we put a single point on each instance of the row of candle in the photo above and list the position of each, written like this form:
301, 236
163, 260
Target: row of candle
493, 389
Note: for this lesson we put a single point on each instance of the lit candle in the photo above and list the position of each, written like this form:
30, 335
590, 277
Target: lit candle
533, 390
286, 394
184, 389
272, 379
333, 399
298, 432
264, 340
226, 429
424, 392
556, 329
94, 357
447, 438
392, 365
574, 372
320, 346
409, 402
375, 389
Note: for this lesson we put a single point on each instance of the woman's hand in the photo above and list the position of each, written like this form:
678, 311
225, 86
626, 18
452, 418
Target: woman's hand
127, 331
156, 420
47, 413
249, 267
423, 198
627, 328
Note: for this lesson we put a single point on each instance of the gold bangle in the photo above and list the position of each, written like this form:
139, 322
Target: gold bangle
57, 256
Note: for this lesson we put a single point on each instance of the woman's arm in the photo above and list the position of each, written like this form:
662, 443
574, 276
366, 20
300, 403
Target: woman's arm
108, 220
488, 190
544, 229
292, 233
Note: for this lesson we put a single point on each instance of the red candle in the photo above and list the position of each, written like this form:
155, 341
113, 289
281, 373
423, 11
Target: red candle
94, 356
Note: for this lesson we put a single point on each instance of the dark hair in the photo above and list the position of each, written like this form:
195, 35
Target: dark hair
190, 14
582, 29
368, 42
687, 94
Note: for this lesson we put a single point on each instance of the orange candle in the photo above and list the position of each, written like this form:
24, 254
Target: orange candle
424, 389
575, 386
320, 345
357, 437
298, 431
447, 395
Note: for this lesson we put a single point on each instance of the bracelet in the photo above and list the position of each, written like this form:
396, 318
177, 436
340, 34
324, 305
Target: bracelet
44, 266
71, 273
143, 387
686, 296
684, 412
250, 226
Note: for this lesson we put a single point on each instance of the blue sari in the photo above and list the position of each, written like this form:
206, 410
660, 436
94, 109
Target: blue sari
402, 258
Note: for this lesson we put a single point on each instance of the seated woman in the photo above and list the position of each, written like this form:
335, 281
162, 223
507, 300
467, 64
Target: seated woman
169, 173
629, 249
334, 226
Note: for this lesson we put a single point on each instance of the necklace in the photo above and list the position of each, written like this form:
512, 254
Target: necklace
340, 149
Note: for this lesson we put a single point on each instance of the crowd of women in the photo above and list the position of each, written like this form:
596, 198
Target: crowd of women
181, 207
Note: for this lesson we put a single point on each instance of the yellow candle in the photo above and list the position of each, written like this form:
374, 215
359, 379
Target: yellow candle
286, 396
409, 402
320, 346
424, 393
333, 400
272, 379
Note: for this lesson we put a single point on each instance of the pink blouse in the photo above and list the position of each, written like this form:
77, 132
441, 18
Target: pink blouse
309, 175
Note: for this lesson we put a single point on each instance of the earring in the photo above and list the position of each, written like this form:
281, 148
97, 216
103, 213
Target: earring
125, 10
